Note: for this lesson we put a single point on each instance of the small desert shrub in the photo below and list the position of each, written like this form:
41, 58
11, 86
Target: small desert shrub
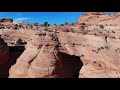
113, 31
113, 37
82, 55
83, 23
61, 24
2, 27
101, 26
66, 30
95, 34
82, 26
12, 43
45, 24
16, 26
102, 47
100, 32
48, 25
66, 23
8, 27
73, 44
94, 62
26, 26
19, 42
106, 47
99, 49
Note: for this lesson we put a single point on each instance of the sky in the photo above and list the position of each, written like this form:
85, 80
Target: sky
41, 17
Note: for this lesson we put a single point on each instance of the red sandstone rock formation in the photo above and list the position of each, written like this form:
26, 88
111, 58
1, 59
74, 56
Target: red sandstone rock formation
39, 60
94, 18
43, 58
97, 18
98, 50
100, 58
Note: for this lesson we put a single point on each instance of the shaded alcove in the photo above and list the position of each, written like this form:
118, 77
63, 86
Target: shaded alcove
70, 65
15, 53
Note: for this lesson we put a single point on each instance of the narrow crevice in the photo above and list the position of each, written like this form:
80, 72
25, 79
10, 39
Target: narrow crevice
32, 60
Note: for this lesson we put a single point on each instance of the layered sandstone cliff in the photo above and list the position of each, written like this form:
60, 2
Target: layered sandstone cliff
100, 58
94, 54
44, 57
94, 18
39, 58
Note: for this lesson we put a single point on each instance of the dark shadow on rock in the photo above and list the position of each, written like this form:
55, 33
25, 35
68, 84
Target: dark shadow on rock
70, 65
15, 53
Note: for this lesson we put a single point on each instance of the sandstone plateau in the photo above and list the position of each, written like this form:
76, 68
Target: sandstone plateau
89, 48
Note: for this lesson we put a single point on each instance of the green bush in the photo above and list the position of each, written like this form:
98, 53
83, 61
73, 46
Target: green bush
61, 24
101, 26
45, 24
19, 42
48, 25
83, 23
66, 23
107, 47
16, 26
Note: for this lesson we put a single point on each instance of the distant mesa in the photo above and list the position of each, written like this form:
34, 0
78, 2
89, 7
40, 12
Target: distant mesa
94, 18
6, 20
